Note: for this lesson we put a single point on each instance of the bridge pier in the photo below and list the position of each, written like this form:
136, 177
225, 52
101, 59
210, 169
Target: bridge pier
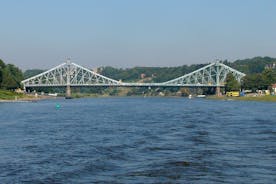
218, 93
68, 92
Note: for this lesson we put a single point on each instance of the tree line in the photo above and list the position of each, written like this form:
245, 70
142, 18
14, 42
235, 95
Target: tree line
10, 76
259, 81
258, 73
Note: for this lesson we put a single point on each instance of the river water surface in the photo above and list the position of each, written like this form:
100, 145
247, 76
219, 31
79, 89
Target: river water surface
138, 140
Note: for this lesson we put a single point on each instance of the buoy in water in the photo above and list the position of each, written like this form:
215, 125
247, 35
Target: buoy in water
57, 106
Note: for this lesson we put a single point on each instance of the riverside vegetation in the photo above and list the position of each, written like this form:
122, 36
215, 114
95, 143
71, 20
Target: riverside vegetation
260, 75
10, 78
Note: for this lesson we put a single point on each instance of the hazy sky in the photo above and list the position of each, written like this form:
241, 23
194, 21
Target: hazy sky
126, 33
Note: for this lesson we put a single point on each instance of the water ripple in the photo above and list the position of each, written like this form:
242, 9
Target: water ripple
138, 140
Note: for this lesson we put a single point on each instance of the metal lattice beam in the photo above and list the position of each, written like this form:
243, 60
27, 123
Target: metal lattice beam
213, 74
71, 74
68, 74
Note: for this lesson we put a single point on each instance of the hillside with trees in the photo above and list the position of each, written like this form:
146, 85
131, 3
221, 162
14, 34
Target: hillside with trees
10, 76
253, 65
154, 74
32, 72
260, 73
250, 67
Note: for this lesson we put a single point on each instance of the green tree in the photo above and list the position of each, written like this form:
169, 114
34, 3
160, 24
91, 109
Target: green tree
10, 76
2, 66
231, 83
252, 82
259, 81
268, 78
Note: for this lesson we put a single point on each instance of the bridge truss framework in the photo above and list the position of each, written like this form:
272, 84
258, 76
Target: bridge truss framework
73, 75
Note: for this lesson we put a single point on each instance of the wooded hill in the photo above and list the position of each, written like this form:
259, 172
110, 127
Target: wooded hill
261, 72
161, 74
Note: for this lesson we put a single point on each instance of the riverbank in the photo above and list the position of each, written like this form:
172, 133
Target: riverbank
267, 98
10, 96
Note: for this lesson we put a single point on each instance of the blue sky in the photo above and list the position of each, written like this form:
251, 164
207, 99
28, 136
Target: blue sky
127, 33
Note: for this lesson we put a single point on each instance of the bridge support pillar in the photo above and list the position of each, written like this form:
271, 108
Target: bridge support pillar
68, 92
218, 93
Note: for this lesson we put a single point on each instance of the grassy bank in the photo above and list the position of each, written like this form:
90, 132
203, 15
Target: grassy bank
10, 95
6, 95
268, 98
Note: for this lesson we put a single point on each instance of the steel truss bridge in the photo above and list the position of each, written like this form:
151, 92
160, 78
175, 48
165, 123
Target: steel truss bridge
69, 74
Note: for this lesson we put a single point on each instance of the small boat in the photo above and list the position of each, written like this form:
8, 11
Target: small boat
201, 96
53, 94
190, 96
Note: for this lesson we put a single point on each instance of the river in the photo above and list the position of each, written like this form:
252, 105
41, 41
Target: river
138, 140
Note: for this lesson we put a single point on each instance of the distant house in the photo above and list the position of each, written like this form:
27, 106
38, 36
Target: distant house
270, 66
18, 90
96, 70
142, 75
274, 88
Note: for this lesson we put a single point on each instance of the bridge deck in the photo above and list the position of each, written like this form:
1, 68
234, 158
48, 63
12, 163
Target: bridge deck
124, 85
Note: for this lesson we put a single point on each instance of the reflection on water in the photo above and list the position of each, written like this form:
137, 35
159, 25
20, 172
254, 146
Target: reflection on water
138, 140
